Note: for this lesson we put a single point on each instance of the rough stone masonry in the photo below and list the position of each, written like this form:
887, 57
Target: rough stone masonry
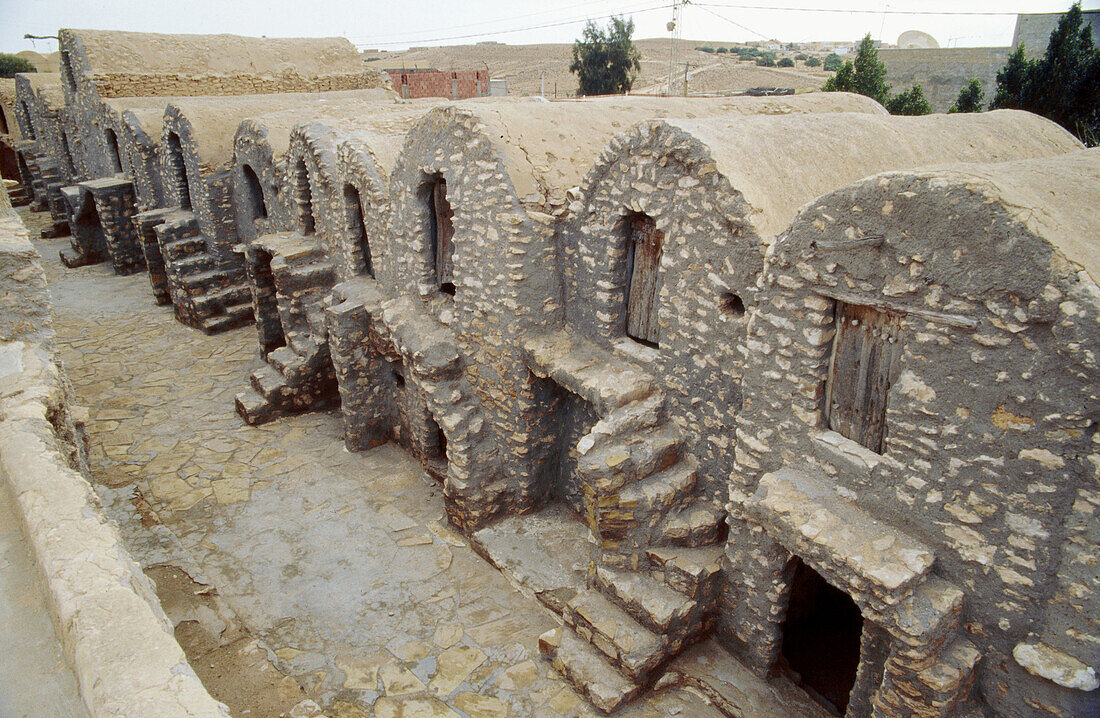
844, 421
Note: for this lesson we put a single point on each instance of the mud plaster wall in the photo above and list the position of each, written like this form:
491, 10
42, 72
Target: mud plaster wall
943, 73
989, 428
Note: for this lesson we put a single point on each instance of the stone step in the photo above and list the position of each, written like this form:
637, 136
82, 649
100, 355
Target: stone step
699, 524
180, 249
269, 383
210, 280
656, 606
255, 409
221, 300
285, 359
661, 491
588, 670
942, 686
193, 264
237, 316
630, 646
318, 276
693, 572
614, 464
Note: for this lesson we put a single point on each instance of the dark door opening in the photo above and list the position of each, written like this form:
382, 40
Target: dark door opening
357, 227
644, 246
442, 234
821, 636
113, 154
254, 193
177, 169
303, 197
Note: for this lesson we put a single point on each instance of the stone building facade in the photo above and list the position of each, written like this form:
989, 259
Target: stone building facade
917, 442
428, 82
811, 408
297, 248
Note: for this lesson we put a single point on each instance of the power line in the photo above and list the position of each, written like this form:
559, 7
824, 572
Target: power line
785, 8
518, 29
371, 38
731, 22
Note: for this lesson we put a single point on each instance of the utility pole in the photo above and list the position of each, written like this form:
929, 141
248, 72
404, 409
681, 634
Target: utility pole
675, 31
685, 79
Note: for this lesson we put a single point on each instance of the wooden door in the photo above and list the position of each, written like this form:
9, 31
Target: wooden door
443, 237
864, 353
643, 263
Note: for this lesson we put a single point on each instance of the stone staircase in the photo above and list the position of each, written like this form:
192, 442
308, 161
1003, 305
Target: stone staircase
299, 376
205, 295
653, 584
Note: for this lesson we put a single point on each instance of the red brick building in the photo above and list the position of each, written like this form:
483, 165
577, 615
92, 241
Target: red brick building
440, 83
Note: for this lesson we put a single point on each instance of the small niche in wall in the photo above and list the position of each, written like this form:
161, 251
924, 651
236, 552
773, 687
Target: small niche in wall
3, 122
731, 304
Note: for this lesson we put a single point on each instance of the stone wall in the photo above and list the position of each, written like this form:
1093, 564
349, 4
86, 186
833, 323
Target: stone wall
1033, 30
113, 631
982, 461
943, 73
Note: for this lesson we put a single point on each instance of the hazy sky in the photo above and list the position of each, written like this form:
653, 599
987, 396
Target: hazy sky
398, 24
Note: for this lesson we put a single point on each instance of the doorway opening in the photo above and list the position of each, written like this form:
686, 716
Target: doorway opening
821, 637
441, 237
177, 171
644, 246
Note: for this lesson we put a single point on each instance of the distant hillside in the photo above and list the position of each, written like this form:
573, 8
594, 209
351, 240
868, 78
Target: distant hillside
524, 66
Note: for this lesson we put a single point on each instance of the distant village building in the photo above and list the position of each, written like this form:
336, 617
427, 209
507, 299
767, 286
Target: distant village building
429, 82
1033, 30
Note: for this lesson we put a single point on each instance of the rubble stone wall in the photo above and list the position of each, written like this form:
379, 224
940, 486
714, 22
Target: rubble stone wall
991, 404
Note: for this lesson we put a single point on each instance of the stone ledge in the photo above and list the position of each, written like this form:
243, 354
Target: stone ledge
805, 509
115, 635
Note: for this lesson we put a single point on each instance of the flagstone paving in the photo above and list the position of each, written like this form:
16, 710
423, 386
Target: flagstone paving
341, 565
296, 570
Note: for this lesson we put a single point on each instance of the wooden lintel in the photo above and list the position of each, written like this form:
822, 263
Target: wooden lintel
955, 320
842, 244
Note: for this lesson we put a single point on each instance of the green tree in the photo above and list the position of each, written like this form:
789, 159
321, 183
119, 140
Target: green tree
910, 102
606, 62
785, 62
832, 62
802, 56
813, 61
970, 99
866, 75
1063, 85
11, 64
1011, 80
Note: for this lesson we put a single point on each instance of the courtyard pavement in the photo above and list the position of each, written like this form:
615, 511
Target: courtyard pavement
294, 569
